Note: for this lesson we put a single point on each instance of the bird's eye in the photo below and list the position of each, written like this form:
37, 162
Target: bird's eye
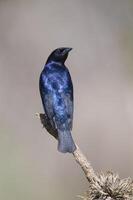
61, 50
58, 51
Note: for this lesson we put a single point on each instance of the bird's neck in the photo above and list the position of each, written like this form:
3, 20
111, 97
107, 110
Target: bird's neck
54, 64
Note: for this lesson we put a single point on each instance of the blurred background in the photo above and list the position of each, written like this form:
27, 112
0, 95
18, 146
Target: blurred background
101, 66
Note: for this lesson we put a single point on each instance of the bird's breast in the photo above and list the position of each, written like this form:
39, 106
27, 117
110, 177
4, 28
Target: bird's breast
56, 82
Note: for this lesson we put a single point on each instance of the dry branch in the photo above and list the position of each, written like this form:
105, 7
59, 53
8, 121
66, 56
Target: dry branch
102, 186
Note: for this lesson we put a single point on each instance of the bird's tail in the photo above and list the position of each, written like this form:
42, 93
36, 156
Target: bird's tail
65, 142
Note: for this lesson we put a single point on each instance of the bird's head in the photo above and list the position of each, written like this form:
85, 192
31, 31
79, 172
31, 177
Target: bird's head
59, 55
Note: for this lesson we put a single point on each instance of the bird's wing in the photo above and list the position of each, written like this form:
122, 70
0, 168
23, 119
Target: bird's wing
49, 109
68, 101
47, 101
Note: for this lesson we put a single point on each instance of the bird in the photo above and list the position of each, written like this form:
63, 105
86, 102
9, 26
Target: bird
56, 91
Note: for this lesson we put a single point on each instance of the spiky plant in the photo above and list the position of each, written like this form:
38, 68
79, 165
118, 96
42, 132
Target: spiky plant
110, 187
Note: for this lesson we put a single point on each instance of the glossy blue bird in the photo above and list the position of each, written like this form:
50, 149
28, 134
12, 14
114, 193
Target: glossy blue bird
56, 90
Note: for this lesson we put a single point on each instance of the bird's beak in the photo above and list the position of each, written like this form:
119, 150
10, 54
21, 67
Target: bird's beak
67, 50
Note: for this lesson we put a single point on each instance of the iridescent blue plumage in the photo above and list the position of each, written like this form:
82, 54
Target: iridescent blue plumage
56, 91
